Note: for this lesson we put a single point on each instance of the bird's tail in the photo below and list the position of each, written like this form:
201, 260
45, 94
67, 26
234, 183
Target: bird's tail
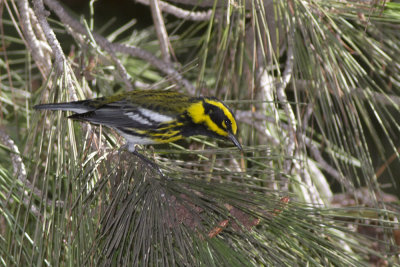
77, 106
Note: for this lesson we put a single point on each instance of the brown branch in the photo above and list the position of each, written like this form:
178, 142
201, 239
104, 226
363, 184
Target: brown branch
221, 3
181, 13
116, 47
41, 15
160, 29
153, 60
38, 30
60, 12
42, 60
280, 92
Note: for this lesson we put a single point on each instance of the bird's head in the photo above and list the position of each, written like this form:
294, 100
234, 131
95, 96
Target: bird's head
216, 117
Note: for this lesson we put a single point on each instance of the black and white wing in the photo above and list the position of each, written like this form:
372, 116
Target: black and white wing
122, 114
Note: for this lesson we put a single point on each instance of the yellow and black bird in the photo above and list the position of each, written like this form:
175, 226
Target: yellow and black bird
145, 117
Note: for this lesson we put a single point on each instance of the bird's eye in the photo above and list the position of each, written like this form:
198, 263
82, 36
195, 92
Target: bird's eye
227, 123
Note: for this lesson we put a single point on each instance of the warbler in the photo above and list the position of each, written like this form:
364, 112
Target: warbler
145, 117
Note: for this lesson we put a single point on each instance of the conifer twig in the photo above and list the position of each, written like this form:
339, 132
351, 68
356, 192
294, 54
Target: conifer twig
116, 47
161, 30
41, 59
41, 15
180, 12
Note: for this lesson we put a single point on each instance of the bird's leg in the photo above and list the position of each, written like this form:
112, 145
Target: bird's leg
131, 148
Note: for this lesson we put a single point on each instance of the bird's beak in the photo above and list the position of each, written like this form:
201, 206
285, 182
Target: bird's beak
235, 141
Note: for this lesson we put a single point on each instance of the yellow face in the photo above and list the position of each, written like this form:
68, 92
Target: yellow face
216, 117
